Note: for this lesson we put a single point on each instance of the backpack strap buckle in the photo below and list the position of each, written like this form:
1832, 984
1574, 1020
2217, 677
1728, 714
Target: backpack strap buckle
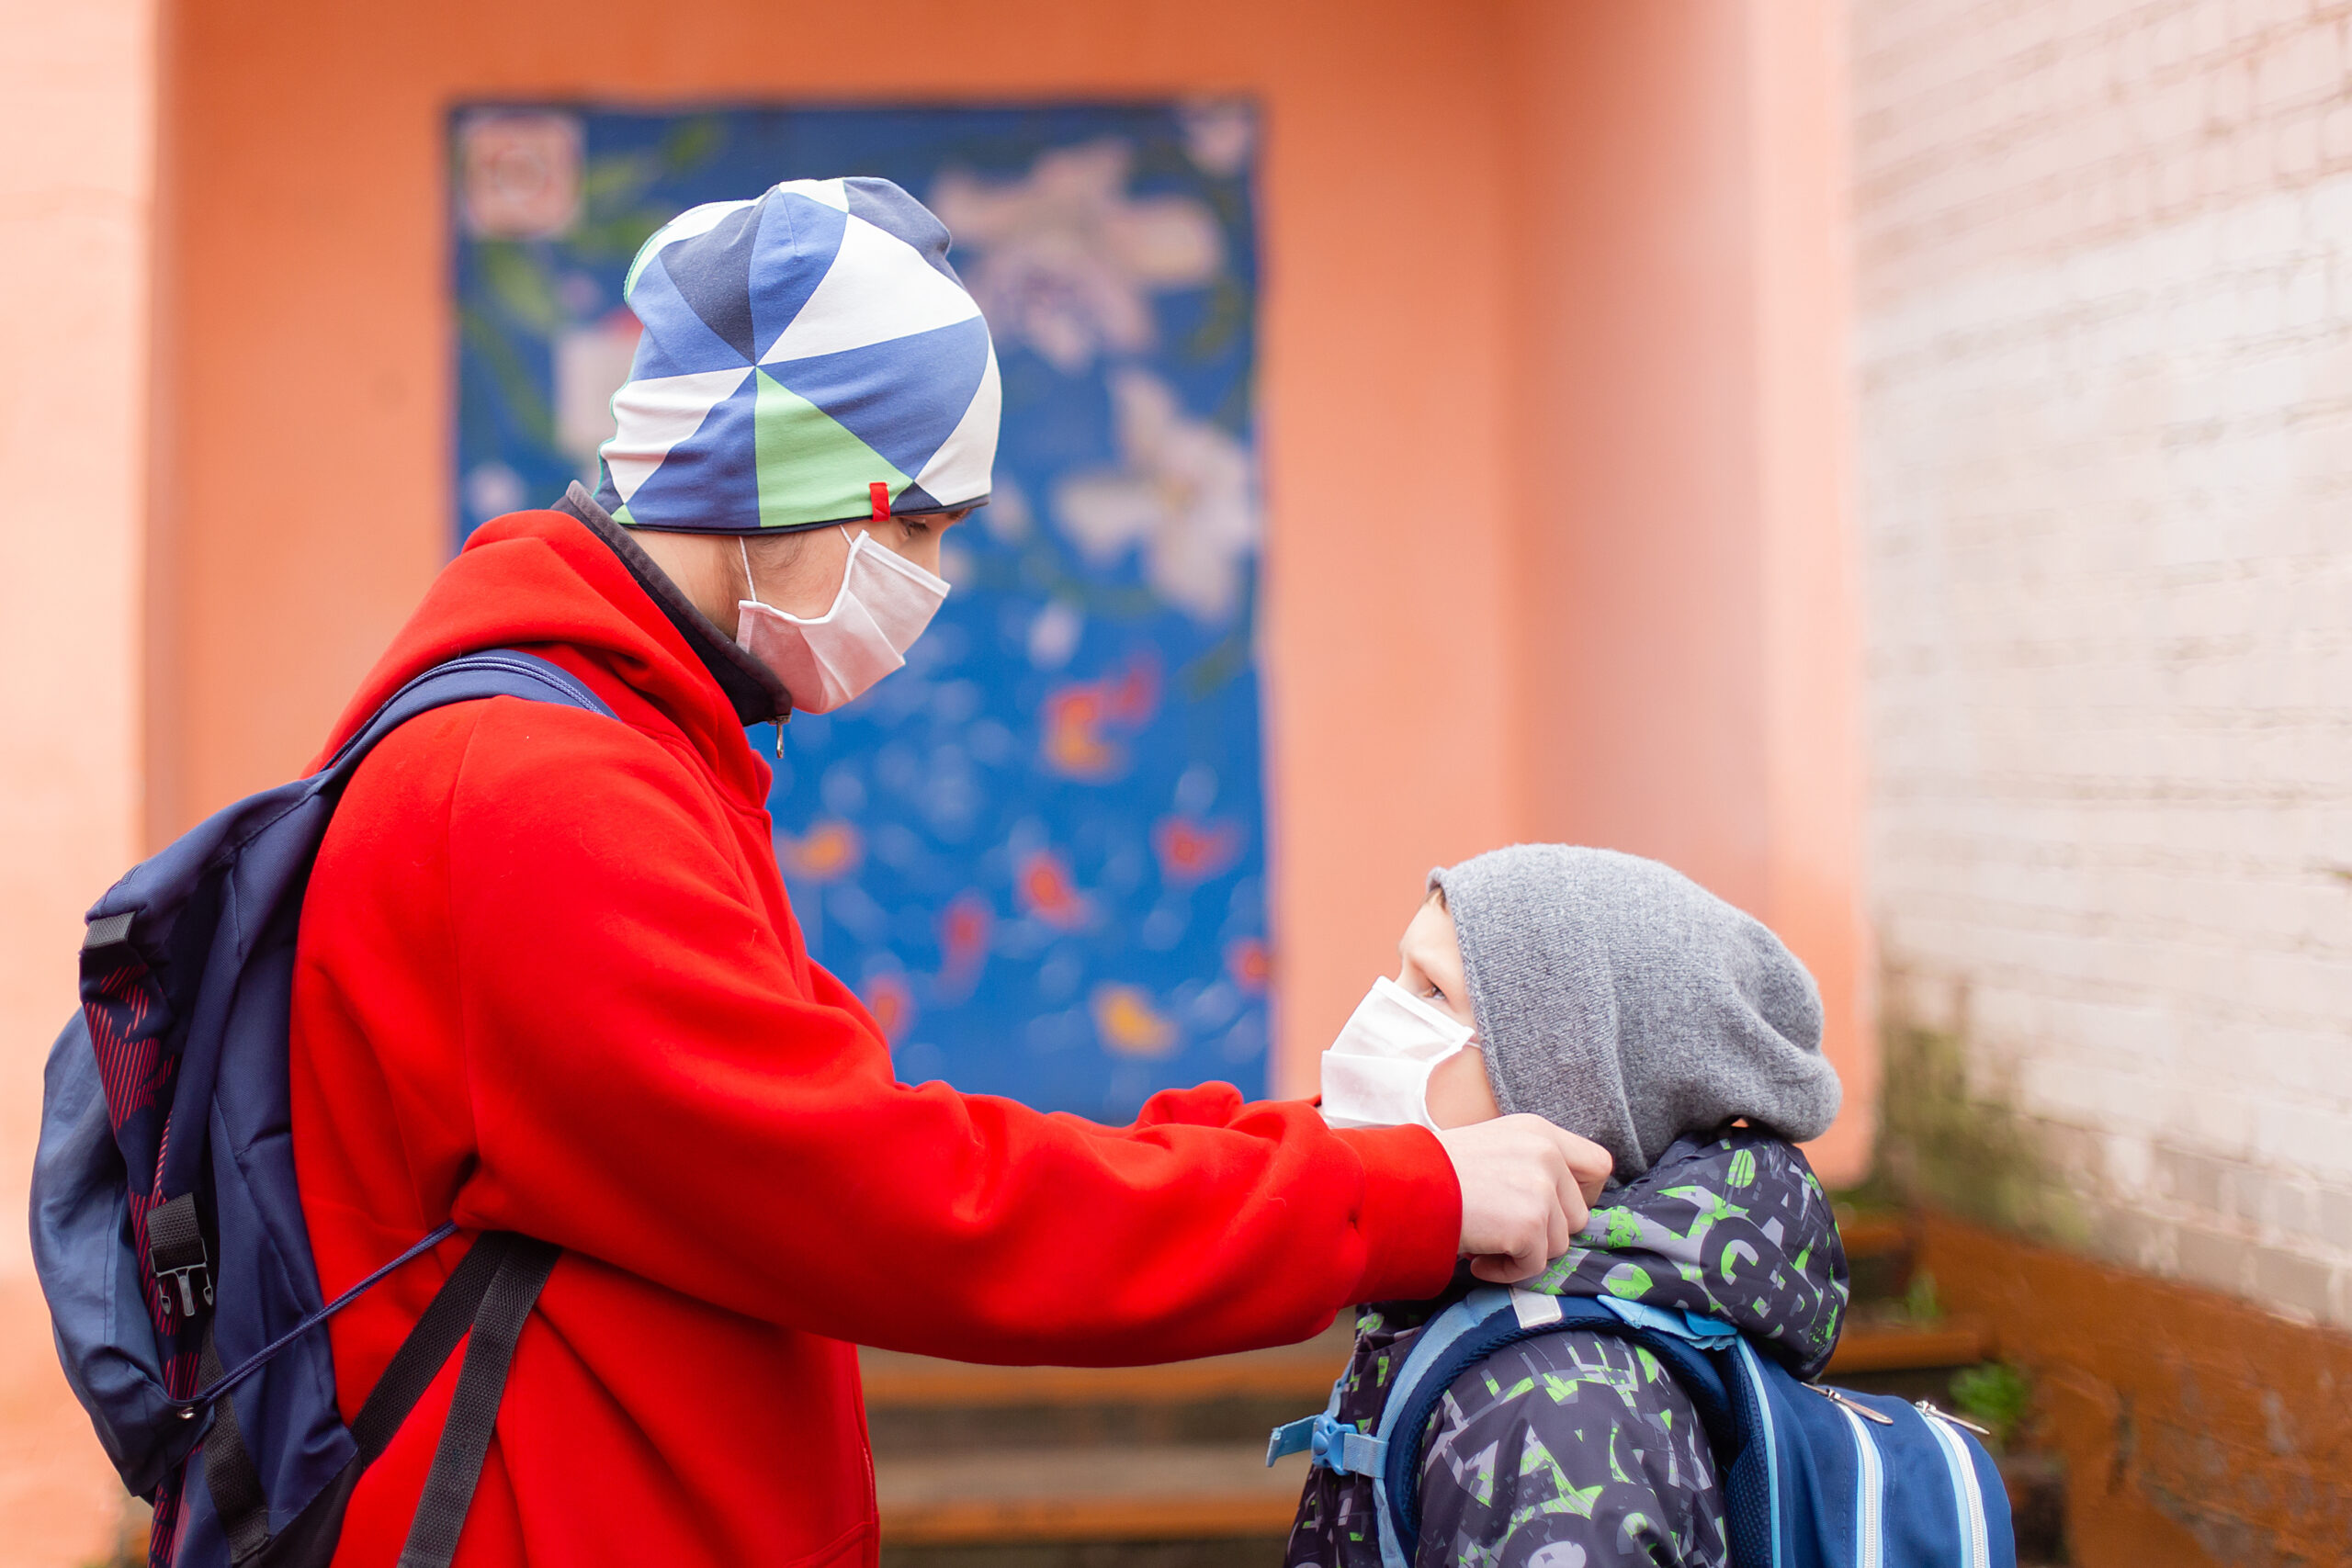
1331, 1444
177, 1255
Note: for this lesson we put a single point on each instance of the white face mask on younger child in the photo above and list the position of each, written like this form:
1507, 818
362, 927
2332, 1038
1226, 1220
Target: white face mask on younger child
885, 603
1376, 1073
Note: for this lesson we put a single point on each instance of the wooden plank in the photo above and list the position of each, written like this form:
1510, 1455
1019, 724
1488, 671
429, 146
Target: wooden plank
947, 1383
902, 1382
983, 1523
1300, 1371
1106, 1493
1958, 1344
1873, 1236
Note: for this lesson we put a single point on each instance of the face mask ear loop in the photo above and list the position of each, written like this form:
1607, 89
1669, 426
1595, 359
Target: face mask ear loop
749, 587
752, 589
848, 561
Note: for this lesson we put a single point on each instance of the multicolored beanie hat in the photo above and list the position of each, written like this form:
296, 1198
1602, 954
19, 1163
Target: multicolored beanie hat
808, 357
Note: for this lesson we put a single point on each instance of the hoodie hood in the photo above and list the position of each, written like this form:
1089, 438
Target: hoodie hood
543, 582
1620, 999
1733, 1227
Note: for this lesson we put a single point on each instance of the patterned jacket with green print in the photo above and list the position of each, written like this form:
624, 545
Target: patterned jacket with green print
1578, 1449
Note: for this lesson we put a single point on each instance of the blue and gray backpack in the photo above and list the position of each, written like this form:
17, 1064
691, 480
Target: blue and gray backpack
166, 1225
1814, 1477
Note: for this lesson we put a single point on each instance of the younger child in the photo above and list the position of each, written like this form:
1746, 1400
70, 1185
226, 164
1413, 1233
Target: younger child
1620, 1000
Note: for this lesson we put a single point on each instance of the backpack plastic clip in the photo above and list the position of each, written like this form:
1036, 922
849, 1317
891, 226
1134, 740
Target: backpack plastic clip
175, 1252
1332, 1444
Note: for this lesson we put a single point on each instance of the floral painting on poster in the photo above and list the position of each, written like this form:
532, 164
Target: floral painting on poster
1039, 851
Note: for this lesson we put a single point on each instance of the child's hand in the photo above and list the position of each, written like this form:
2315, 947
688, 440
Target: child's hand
1523, 1192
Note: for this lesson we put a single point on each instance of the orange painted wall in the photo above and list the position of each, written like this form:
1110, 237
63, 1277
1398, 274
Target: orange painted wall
306, 448
1526, 507
1686, 603
74, 191
1552, 429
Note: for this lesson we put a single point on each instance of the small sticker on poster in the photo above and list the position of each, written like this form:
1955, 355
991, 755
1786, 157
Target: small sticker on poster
519, 174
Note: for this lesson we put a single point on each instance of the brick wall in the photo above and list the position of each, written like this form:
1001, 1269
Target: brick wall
2105, 273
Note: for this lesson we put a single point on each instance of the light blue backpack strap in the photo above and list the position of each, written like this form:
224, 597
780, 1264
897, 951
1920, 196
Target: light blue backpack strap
1707, 1333
1752, 1372
1429, 1349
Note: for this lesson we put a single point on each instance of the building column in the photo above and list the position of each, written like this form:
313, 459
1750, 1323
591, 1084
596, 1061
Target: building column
1687, 617
75, 197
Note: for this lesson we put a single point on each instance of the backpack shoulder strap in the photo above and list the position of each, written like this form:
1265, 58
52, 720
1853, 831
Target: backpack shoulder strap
471, 677
1457, 1340
462, 1303
1491, 1319
230, 1473
523, 1269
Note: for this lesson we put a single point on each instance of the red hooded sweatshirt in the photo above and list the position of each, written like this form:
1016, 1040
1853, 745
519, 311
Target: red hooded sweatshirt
549, 982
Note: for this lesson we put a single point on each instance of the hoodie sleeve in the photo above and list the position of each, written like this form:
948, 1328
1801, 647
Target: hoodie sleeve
651, 1082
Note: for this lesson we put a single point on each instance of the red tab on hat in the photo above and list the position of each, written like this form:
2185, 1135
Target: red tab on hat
881, 494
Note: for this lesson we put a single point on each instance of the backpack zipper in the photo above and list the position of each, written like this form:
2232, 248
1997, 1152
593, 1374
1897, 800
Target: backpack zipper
1842, 1402
1870, 1550
1974, 1533
1928, 1409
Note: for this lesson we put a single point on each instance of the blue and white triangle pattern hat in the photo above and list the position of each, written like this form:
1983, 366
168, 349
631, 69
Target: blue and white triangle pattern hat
800, 351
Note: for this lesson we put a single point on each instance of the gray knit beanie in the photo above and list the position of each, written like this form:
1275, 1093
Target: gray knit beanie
1618, 998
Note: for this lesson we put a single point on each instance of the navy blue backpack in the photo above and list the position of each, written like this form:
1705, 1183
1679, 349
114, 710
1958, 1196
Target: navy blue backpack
1814, 1477
167, 1226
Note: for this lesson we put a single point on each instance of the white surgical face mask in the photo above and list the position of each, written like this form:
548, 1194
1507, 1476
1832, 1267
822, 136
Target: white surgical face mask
885, 603
1377, 1073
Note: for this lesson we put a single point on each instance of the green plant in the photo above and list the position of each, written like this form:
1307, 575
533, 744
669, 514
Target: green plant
1920, 1301
1995, 1394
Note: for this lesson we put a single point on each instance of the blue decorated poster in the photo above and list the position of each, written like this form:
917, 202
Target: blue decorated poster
1039, 851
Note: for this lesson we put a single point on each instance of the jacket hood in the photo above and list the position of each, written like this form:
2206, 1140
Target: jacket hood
1734, 1226
543, 582
1618, 998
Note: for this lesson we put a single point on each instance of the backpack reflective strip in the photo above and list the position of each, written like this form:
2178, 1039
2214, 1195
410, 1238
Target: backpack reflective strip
1755, 1375
1532, 1308
1973, 1531
1869, 1546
